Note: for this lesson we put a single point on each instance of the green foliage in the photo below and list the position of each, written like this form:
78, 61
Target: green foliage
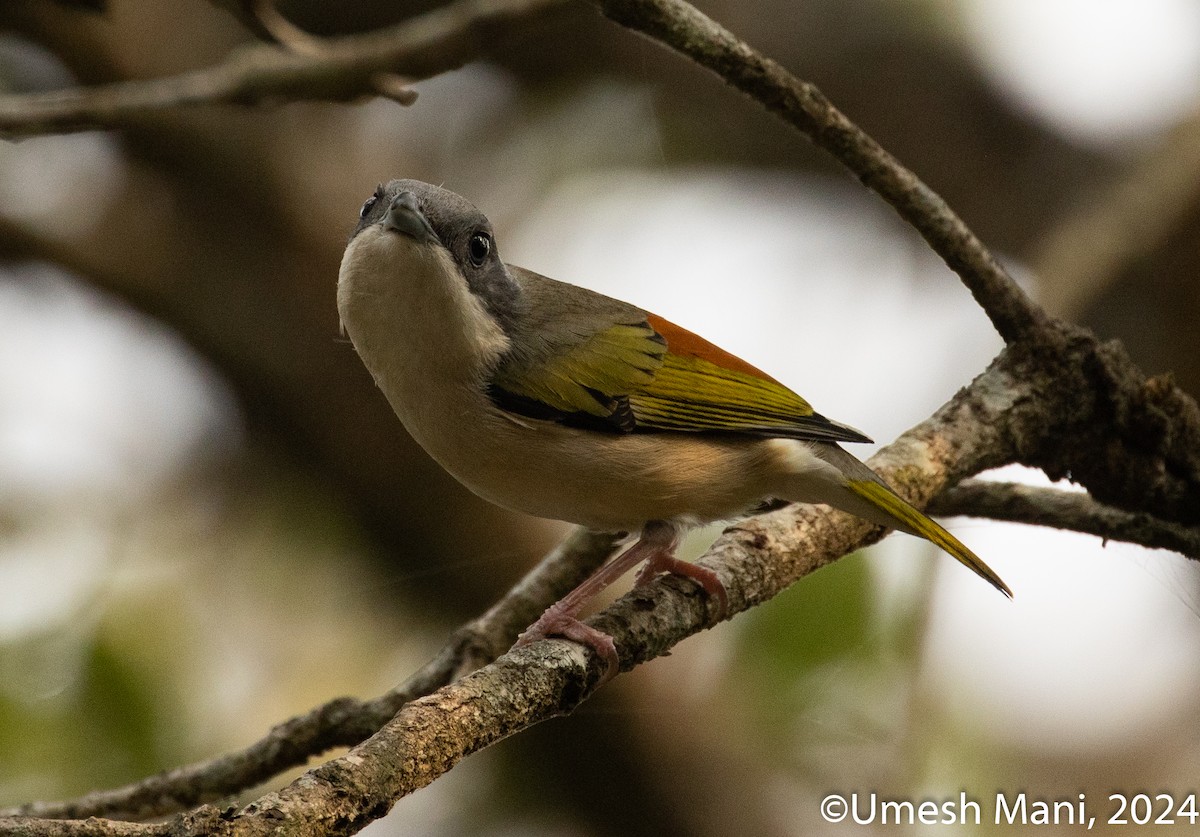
99, 726
825, 617
791, 653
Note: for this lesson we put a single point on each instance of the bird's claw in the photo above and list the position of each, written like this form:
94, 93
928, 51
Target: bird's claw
556, 621
666, 563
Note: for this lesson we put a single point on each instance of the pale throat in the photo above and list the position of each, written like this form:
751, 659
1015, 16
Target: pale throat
411, 316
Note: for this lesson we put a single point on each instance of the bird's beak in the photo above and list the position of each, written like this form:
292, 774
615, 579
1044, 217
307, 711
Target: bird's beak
404, 216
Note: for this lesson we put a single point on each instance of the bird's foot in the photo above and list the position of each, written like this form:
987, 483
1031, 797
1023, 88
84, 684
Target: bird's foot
559, 621
666, 562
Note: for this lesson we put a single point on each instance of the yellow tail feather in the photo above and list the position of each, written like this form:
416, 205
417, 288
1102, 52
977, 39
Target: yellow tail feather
913, 521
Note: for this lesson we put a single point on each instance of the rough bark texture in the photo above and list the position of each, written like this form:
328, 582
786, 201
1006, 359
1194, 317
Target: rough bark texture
1056, 398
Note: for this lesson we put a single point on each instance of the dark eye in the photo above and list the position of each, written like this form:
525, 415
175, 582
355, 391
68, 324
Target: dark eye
366, 207
479, 248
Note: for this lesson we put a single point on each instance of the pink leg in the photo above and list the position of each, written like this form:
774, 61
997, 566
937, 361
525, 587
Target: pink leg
656, 546
666, 562
561, 618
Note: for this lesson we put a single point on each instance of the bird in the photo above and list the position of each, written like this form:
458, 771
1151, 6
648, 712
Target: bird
563, 403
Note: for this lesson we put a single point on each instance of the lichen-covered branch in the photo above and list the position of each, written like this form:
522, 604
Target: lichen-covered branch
756, 560
1092, 416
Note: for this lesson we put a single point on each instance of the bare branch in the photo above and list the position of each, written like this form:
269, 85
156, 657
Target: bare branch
528, 685
756, 560
346, 67
1056, 396
284, 31
446, 38
297, 40
1065, 510
987, 423
345, 721
682, 27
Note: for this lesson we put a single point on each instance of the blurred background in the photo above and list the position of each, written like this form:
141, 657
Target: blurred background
210, 519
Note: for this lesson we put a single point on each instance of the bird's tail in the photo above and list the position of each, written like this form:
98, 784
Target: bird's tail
866, 495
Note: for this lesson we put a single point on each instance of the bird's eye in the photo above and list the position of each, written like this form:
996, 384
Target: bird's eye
366, 207
479, 248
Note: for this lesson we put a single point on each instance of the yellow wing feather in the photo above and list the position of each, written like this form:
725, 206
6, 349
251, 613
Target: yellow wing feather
593, 361
589, 376
692, 393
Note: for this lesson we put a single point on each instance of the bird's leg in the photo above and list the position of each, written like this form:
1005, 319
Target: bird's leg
665, 561
561, 618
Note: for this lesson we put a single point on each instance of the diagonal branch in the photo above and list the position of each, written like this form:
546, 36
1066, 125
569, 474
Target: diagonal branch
347, 67
1013, 412
755, 560
343, 722
1060, 509
982, 426
683, 28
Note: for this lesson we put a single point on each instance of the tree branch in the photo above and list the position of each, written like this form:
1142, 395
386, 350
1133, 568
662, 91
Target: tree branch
682, 27
1050, 397
343, 722
446, 38
755, 560
1092, 416
347, 67
286, 34
1059, 509
27, 827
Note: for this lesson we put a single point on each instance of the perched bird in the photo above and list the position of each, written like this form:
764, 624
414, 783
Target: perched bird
557, 401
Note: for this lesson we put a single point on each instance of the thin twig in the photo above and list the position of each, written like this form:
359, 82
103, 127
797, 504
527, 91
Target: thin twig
285, 32
347, 67
300, 42
446, 38
345, 721
1060, 509
799, 103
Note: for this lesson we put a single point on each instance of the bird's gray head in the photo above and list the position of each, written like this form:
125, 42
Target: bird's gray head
439, 218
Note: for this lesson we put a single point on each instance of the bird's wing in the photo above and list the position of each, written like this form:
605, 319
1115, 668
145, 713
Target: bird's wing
702, 387
591, 361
